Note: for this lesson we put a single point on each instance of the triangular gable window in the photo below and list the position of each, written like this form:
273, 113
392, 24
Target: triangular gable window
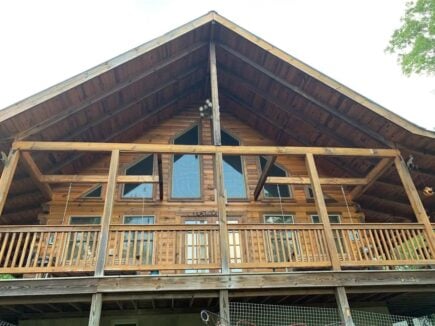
271, 190
94, 192
139, 190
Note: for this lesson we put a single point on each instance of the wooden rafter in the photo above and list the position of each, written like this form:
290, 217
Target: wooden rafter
308, 97
323, 181
38, 127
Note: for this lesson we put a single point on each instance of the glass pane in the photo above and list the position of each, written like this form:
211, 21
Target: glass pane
80, 220
140, 219
139, 190
234, 180
186, 178
278, 219
94, 193
271, 190
197, 247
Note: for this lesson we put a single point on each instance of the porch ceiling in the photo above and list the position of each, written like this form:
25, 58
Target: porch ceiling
282, 97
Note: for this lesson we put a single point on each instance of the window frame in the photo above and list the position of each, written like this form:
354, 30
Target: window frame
123, 322
124, 172
242, 162
70, 217
320, 222
171, 168
154, 238
290, 187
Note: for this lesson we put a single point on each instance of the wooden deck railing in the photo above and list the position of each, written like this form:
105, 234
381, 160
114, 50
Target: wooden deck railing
382, 244
254, 246
196, 247
48, 249
163, 247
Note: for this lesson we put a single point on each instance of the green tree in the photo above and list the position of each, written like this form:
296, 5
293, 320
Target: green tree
414, 41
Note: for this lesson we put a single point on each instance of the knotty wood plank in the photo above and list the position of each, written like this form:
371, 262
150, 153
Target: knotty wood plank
323, 181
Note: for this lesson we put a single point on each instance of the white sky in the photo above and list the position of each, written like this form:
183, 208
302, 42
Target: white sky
44, 42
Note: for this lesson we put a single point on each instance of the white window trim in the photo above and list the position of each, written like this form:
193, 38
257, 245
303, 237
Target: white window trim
279, 214
329, 215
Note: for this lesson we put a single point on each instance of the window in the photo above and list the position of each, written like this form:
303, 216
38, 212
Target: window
197, 247
138, 245
234, 179
94, 192
310, 194
234, 246
271, 190
333, 218
139, 190
80, 245
186, 177
282, 245
83, 220
338, 238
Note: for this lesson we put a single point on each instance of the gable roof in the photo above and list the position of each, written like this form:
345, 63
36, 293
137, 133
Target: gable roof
267, 88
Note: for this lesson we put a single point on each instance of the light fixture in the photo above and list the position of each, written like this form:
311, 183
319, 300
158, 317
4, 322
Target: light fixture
205, 110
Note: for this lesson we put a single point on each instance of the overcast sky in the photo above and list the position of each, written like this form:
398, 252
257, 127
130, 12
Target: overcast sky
44, 42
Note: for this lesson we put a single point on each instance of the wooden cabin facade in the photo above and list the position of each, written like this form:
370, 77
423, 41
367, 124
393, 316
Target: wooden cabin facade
203, 167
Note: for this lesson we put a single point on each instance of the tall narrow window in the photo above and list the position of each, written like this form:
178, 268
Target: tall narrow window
234, 179
283, 244
186, 177
271, 190
139, 190
138, 246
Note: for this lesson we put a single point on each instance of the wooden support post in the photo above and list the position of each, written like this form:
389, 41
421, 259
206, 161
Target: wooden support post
36, 174
343, 306
7, 175
322, 210
95, 312
160, 175
107, 213
415, 201
269, 164
224, 307
218, 164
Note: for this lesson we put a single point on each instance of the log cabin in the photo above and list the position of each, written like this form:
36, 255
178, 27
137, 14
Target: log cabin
204, 169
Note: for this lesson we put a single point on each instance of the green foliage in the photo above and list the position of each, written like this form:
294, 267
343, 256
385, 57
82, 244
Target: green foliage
6, 277
414, 41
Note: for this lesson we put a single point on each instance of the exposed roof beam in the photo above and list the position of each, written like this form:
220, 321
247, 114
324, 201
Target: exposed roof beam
151, 114
35, 175
38, 127
372, 134
286, 108
110, 115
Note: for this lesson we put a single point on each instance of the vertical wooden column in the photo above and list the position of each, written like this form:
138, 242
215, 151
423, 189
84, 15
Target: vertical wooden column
95, 312
343, 306
219, 178
415, 201
224, 307
319, 199
7, 175
219, 181
107, 213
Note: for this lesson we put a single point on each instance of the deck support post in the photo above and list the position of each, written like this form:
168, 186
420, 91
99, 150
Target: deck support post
107, 213
218, 164
10, 165
415, 201
319, 199
95, 312
224, 307
343, 306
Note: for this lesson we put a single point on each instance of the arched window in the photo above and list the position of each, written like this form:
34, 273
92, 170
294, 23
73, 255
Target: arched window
234, 178
271, 190
186, 176
139, 190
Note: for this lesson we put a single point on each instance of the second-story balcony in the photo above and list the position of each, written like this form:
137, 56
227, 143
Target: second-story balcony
217, 245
